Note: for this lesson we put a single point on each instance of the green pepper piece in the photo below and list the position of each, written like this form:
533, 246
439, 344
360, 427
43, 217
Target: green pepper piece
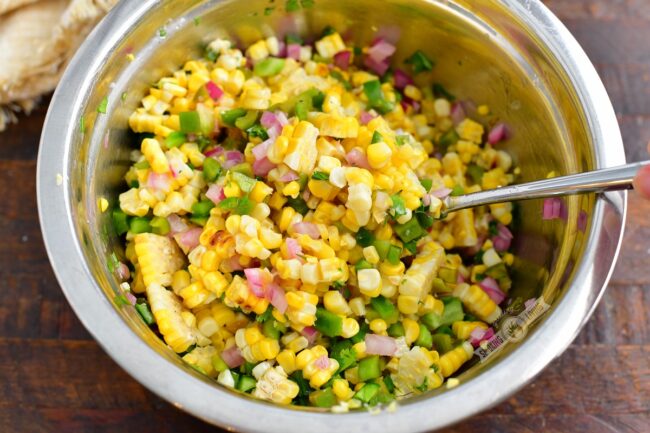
442, 342
362, 264
175, 139
364, 237
160, 226
246, 121
369, 368
409, 231
143, 309
367, 392
426, 183
218, 364
268, 67
323, 398
245, 183
229, 117
420, 62
424, 339
190, 122
199, 220
211, 169
439, 91
439, 286
396, 330
344, 353
453, 312
382, 247
376, 137
298, 204
384, 308
476, 173
246, 383
376, 100
361, 335
120, 221
394, 254
140, 225
447, 139
329, 324
273, 329
202, 208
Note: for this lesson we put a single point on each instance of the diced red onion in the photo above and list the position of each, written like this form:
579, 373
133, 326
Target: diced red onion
407, 102
158, 181
233, 157
381, 50
582, 221
322, 362
441, 193
357, 158
232, 357
306, 194
500, 244
342, 59
389, 33
402, 79
379, 67
491, 287
504, 232
123, 272
130, 297
282, 118
289, 176
293, 51
215, 151
457, 113
215, 193
310, 333
479, 334
106, 139
552, 209
529, 303
282, 49
309, 229
268, 119
256, 281
214, 90
460, 278
498, 133
189, 239
365, 117
277, 297
262, 149
380, 345
261, 167
176, 224
426, 199
293, 248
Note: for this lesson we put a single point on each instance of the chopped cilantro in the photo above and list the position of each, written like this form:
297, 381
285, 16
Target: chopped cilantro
319, 175
399, 208
197, 21
103, 105
328, 30
401, 140
162, 32
266, 315
269, 10
292, 6
257, 130
419, 62
376, 137
424, 385
440, 92
338, 76
457, 190
124, 96
493, 228
237, 205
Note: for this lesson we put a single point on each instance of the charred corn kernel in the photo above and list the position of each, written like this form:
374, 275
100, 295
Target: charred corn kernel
349, 328
155, 156
378, 326
414, 370
411, 330
477, 302
462, 330
273, 384
316, 366
336, 303
238, 294
205, 322
287, 360
369, 281
166, 309
158, 258
451, 361
201, 357
215, 282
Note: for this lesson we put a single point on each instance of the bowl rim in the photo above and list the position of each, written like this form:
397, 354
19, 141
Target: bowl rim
217, 406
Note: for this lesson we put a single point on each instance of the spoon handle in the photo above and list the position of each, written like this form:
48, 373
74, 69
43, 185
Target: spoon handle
608, 179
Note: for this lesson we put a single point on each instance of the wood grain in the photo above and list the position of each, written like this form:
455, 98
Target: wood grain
55, 378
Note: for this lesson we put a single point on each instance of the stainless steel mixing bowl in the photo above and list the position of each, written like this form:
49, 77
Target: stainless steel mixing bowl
511, 54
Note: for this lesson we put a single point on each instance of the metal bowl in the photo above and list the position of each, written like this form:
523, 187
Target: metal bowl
511, 54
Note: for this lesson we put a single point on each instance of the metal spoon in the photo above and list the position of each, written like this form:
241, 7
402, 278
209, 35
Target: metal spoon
608, 179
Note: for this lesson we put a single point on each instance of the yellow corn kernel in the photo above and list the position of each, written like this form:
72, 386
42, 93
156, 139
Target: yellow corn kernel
341, 388
287, 360
336, 303
407, 304
209, 260
357, 306
477, 302
369, 282
292, 189
464, 329
155, 156
379, 155
180, 280
371, 255
322, 189
231, 189
454, 359
391, 270
215, 282
349, 328
195, 294
260, 191
411, 330
378, 326
360, 349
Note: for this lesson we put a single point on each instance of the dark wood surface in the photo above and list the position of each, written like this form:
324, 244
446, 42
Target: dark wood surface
55, 378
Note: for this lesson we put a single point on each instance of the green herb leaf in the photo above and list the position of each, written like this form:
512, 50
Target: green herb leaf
339, 77
319, 175
266, 315
419, 62
292, 6
103, 105
401, 140
162, 32
268, 67
440, 92
258, 131
197, 21
424, 385
268, 11
376, 137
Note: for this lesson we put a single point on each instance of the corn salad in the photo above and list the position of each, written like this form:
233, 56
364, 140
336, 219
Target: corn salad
284, 228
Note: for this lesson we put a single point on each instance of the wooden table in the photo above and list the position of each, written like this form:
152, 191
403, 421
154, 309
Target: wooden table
55, 378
